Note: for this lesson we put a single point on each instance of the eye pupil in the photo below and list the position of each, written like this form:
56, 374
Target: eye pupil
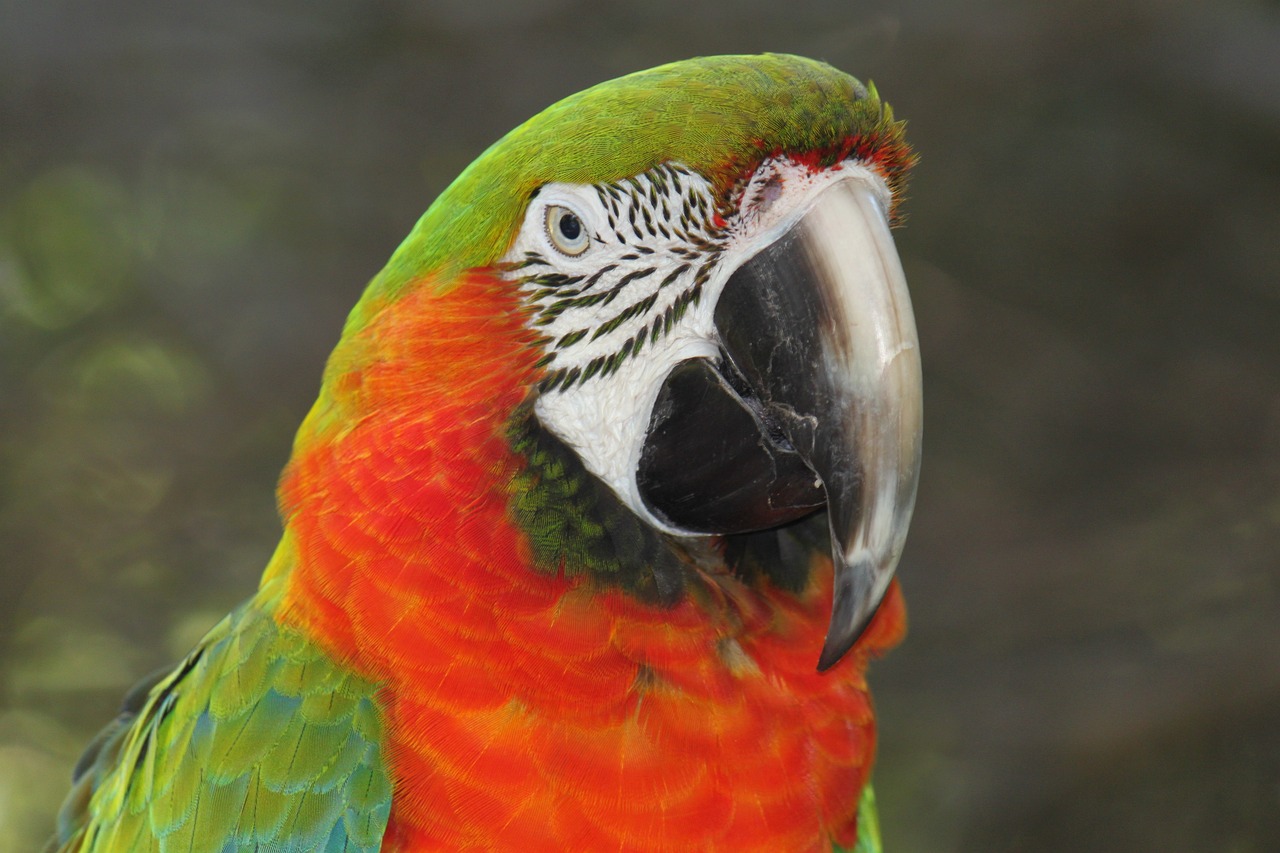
570, 226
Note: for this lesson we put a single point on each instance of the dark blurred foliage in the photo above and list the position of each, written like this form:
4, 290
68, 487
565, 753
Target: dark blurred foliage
191, 198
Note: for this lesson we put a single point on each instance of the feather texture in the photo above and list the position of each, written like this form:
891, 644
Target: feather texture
258, 741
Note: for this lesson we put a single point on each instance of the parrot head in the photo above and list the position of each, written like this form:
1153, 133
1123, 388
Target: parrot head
715, 320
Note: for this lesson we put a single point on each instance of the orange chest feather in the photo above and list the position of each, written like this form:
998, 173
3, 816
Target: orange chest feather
529, 710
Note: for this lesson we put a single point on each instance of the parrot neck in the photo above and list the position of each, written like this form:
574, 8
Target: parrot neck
422, 473
398, 479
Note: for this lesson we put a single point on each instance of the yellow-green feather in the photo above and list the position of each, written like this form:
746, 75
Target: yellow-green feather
868, 823
709, 114
259, 741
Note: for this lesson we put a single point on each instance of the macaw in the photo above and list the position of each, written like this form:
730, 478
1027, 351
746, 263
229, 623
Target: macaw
590, 534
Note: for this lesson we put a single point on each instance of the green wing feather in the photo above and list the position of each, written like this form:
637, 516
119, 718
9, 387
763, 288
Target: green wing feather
258, 741
868, 825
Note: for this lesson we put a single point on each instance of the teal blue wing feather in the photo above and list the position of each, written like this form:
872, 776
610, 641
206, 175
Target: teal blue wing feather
258, 741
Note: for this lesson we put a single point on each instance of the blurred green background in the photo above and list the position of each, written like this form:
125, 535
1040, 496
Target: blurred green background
191, 199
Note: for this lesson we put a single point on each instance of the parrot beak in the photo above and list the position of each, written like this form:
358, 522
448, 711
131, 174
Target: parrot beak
816, 401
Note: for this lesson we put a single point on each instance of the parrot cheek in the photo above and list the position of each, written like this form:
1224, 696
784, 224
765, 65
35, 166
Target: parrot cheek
814, 402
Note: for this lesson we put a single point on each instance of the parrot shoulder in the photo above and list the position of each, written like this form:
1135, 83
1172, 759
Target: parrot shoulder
257, 740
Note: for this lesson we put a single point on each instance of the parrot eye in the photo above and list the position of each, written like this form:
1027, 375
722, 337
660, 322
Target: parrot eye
566, 230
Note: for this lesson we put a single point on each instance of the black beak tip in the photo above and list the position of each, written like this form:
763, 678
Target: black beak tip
851, 610
840, 642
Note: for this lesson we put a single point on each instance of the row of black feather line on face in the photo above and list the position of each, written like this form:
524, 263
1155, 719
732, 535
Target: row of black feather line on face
693, 241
